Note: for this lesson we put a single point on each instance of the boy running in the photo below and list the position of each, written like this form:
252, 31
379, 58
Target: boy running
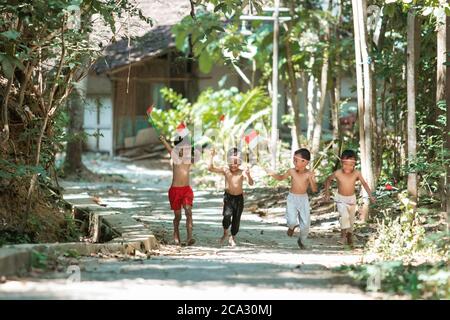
233, 198
345, 198
180, 192
297, 208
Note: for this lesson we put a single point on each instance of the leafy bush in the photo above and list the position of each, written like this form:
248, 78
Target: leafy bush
224, 115
400, 237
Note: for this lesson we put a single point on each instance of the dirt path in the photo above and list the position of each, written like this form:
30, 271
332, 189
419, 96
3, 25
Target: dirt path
266, 264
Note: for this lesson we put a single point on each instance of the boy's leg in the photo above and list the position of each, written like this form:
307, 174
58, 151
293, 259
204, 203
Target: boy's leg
291, 214
176, 226
225, 234
304, 222
189, 224
351, 211
236, 219
343, 236
344, 219
227, 214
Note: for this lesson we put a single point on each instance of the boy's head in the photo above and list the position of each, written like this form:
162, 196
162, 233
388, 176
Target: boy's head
183, 148
348, 159
301, 158
234, 158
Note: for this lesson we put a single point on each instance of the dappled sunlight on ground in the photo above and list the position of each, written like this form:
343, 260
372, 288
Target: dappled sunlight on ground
266, 264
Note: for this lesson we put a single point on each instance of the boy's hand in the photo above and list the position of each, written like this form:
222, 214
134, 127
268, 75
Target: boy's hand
162, 138
247, 170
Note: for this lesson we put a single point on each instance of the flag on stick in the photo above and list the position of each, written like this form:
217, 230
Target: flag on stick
251, 138
150, 120
182, 130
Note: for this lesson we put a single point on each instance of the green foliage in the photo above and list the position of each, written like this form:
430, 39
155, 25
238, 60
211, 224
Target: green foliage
45, 49
432, 157
239, 111
400, 236
9, 170
39, 260
167, 119
424, 281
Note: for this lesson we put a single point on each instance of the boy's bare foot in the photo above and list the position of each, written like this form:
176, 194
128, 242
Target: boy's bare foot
301, 244
231, 241
343, 240
222, 239
190, 242
350, 239
290, 232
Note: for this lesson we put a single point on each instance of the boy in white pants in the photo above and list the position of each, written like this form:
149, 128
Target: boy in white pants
346, 198
297, 208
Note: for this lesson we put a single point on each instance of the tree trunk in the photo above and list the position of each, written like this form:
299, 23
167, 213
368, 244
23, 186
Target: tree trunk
396, 171
312, 105
337, 84
73, 161
296, 129
365, 97
317, 133
380, 129
335, 97
412, 60
443, 92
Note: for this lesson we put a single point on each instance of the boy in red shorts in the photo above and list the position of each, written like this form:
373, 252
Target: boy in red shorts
180, 192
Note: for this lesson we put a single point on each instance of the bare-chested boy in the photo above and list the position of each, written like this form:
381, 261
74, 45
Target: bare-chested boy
345, 198
180, 192
233, 198
297, 208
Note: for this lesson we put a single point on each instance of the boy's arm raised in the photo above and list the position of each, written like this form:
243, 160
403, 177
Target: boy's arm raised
366, 186
249, 177
312, 181
166, 144
278, 177
211, 164
327, 186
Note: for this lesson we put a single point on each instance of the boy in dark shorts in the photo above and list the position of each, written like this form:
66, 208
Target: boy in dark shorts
233, 199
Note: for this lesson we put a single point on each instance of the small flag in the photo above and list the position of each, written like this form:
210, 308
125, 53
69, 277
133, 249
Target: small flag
182, 131
150, 120
388, 187
251, 138
149, 110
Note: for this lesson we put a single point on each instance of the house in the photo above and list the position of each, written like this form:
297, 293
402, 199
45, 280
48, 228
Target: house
128, 78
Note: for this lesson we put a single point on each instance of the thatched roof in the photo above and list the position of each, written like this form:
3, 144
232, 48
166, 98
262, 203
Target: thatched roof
145, 41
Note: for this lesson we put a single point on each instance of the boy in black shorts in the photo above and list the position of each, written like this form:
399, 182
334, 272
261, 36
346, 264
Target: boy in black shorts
233, 199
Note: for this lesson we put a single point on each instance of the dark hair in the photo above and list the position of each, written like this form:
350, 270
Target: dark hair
178, 140
304, 153
234, 152
348, 154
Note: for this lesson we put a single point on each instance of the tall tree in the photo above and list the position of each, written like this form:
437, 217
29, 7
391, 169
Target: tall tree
413, 46
365, 95
293, 84
73, 161
443, 91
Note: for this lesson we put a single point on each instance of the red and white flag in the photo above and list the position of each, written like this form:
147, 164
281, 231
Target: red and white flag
182, 130
149, 110
251, 138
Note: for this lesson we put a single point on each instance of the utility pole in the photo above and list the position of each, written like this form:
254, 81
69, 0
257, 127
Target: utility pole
276, 32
